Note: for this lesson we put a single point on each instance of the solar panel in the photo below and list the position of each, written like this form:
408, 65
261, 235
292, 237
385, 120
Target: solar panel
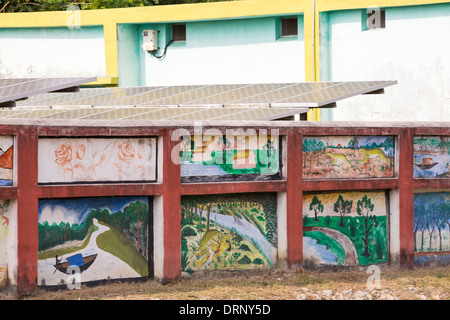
313, 94
332, 93
15, 89
265, 101
150, 95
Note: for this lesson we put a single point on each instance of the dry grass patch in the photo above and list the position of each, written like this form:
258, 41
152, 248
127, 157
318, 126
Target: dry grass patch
421, 283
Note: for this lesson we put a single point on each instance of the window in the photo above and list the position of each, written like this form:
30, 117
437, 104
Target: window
375, 18
289, 27
179, 32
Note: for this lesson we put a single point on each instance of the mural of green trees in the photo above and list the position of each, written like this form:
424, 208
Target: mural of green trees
432, 222
228, 232
347, 228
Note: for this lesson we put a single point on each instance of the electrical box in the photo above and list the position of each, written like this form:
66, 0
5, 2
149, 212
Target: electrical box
150, 40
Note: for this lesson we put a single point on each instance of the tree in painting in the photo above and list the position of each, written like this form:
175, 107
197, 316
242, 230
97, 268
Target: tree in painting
432, 222
317, 206
343, 207
364, 207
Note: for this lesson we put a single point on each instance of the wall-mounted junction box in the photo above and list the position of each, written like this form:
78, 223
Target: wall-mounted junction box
150, 40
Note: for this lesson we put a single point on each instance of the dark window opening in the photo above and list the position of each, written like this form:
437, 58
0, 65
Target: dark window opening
289, 27
179, 32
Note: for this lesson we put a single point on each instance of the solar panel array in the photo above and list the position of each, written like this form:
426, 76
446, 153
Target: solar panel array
191, 102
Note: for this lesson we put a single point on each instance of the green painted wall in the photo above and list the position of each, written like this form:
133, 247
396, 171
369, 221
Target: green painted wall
199, 34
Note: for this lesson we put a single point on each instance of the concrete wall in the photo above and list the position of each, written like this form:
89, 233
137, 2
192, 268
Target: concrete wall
411, 49
167, 226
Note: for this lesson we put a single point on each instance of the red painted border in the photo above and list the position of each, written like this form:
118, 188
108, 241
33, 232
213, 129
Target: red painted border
294, 199
171, 198
406, 199
27, 211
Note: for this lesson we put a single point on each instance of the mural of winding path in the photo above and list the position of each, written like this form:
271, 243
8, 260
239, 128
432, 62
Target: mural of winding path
247, 230
351, 256
105, 265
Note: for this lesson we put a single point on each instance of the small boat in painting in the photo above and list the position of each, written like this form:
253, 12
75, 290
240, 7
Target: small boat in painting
76, 260
426, 164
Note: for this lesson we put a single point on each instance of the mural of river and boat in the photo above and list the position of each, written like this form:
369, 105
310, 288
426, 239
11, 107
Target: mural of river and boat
432, 222
331, 157
345, 228
101, 238
6, 160
228, 232
431, 157
221, 157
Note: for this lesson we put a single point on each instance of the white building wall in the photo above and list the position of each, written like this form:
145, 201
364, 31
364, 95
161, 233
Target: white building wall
413, 49
52, 52
273, 62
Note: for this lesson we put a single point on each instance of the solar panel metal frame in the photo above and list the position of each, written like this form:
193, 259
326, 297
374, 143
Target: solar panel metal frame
17, 89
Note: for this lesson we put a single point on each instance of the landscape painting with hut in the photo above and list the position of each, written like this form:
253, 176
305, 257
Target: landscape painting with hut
228, 232
100, 238
220, 156
345, 228
329, 157
432, 157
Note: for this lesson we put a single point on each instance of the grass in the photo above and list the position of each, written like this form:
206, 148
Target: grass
424, 282
110, 242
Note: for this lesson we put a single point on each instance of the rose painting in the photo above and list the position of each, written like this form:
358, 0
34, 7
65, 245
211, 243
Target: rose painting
97, 159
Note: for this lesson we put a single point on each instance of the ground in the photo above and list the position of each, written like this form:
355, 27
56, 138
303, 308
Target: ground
424, 283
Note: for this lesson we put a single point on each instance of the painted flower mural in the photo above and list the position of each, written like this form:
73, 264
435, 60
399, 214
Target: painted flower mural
97, 159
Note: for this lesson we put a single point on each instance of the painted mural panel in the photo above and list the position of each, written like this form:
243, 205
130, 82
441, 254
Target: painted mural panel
345, 228
71, 160
4, 233
6, 160
330, 157
222, 156
432, 157
106, 238
432, 222
228, 232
